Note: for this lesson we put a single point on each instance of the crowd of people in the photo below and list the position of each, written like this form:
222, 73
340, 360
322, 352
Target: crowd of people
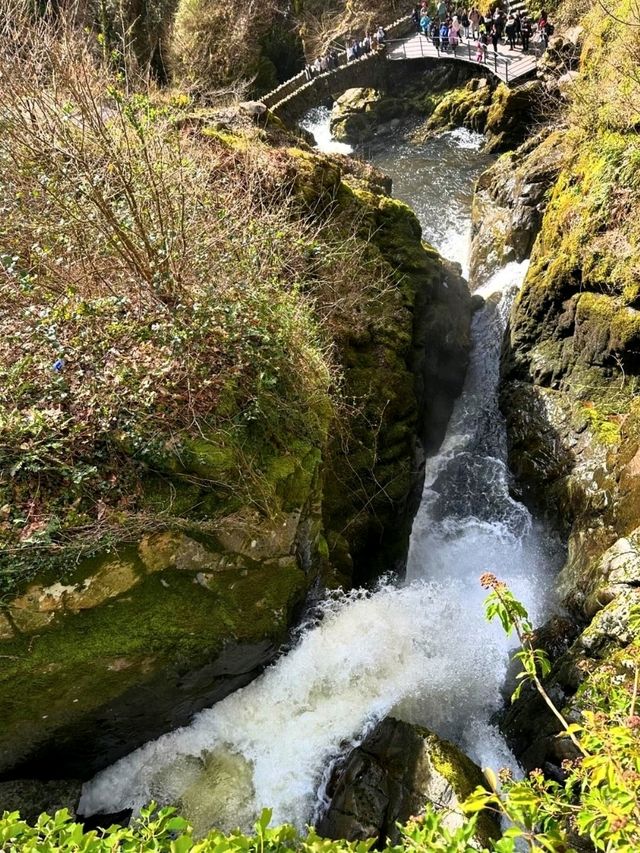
354, 49
447, 27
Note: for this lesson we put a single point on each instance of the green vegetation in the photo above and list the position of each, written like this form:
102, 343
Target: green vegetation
224, 45
171, 298
165, 831
599, 799
606, 428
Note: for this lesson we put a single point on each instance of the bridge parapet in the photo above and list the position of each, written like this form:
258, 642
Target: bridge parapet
279, 94
369, 70
300, 93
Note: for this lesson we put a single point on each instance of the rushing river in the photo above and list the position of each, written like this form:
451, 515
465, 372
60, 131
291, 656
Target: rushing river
419, 649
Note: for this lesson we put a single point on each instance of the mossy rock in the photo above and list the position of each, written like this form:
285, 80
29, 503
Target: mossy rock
509, 202
465, 107
390, 776
511, 114
77, 689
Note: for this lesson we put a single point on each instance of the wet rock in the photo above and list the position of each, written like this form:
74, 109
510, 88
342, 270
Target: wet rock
182, 621
509, 204
467, 106
389, 778
32, 797
359, 114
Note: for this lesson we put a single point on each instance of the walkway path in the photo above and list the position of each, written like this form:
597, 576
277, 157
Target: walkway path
300, 92
508, 65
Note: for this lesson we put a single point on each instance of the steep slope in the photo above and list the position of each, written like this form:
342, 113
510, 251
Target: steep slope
210, 400
573, 356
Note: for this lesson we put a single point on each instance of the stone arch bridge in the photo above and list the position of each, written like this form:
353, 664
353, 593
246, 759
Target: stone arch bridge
291, 99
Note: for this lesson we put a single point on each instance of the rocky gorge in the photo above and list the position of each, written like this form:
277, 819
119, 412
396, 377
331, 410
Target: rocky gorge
129, 644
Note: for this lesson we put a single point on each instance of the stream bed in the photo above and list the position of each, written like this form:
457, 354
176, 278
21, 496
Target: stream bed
420, 648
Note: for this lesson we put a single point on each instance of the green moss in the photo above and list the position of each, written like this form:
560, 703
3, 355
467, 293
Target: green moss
213, 458
234, 141
463, 776
511, 114
605, 428
91, 658
292, 475
464, 107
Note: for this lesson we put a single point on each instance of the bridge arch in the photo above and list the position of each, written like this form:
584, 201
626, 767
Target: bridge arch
290, 100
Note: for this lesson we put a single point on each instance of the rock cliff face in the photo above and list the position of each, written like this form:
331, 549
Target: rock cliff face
571, 369
391, 776
509, 202
435, 98
133, 642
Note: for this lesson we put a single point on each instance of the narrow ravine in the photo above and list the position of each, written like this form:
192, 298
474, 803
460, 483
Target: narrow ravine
421, 648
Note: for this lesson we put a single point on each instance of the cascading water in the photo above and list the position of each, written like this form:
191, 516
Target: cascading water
434, 177
420, 650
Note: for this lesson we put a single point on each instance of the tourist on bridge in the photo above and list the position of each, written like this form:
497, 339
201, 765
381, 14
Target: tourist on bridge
442, 10
425, 24
416, 18
481, 48
518, 21
545, 28
525, 33
381, 36
496, 18
510, 30
454, 33
495, 36
435, 34
444, 35
466, 23
474, 20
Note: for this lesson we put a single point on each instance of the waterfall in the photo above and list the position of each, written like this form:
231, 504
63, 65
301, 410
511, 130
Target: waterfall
420, 650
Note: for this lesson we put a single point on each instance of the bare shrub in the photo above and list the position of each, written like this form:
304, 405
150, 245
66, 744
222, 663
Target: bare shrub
160, 285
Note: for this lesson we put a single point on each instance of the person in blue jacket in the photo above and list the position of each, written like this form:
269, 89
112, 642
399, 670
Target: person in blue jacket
444, 35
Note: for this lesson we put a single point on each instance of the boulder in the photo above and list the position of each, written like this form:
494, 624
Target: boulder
512, 113
395, 772
181, 620
466, 106
357, 115
253, 109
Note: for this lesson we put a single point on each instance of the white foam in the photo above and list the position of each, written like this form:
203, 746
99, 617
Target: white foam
317, 122
422, 651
